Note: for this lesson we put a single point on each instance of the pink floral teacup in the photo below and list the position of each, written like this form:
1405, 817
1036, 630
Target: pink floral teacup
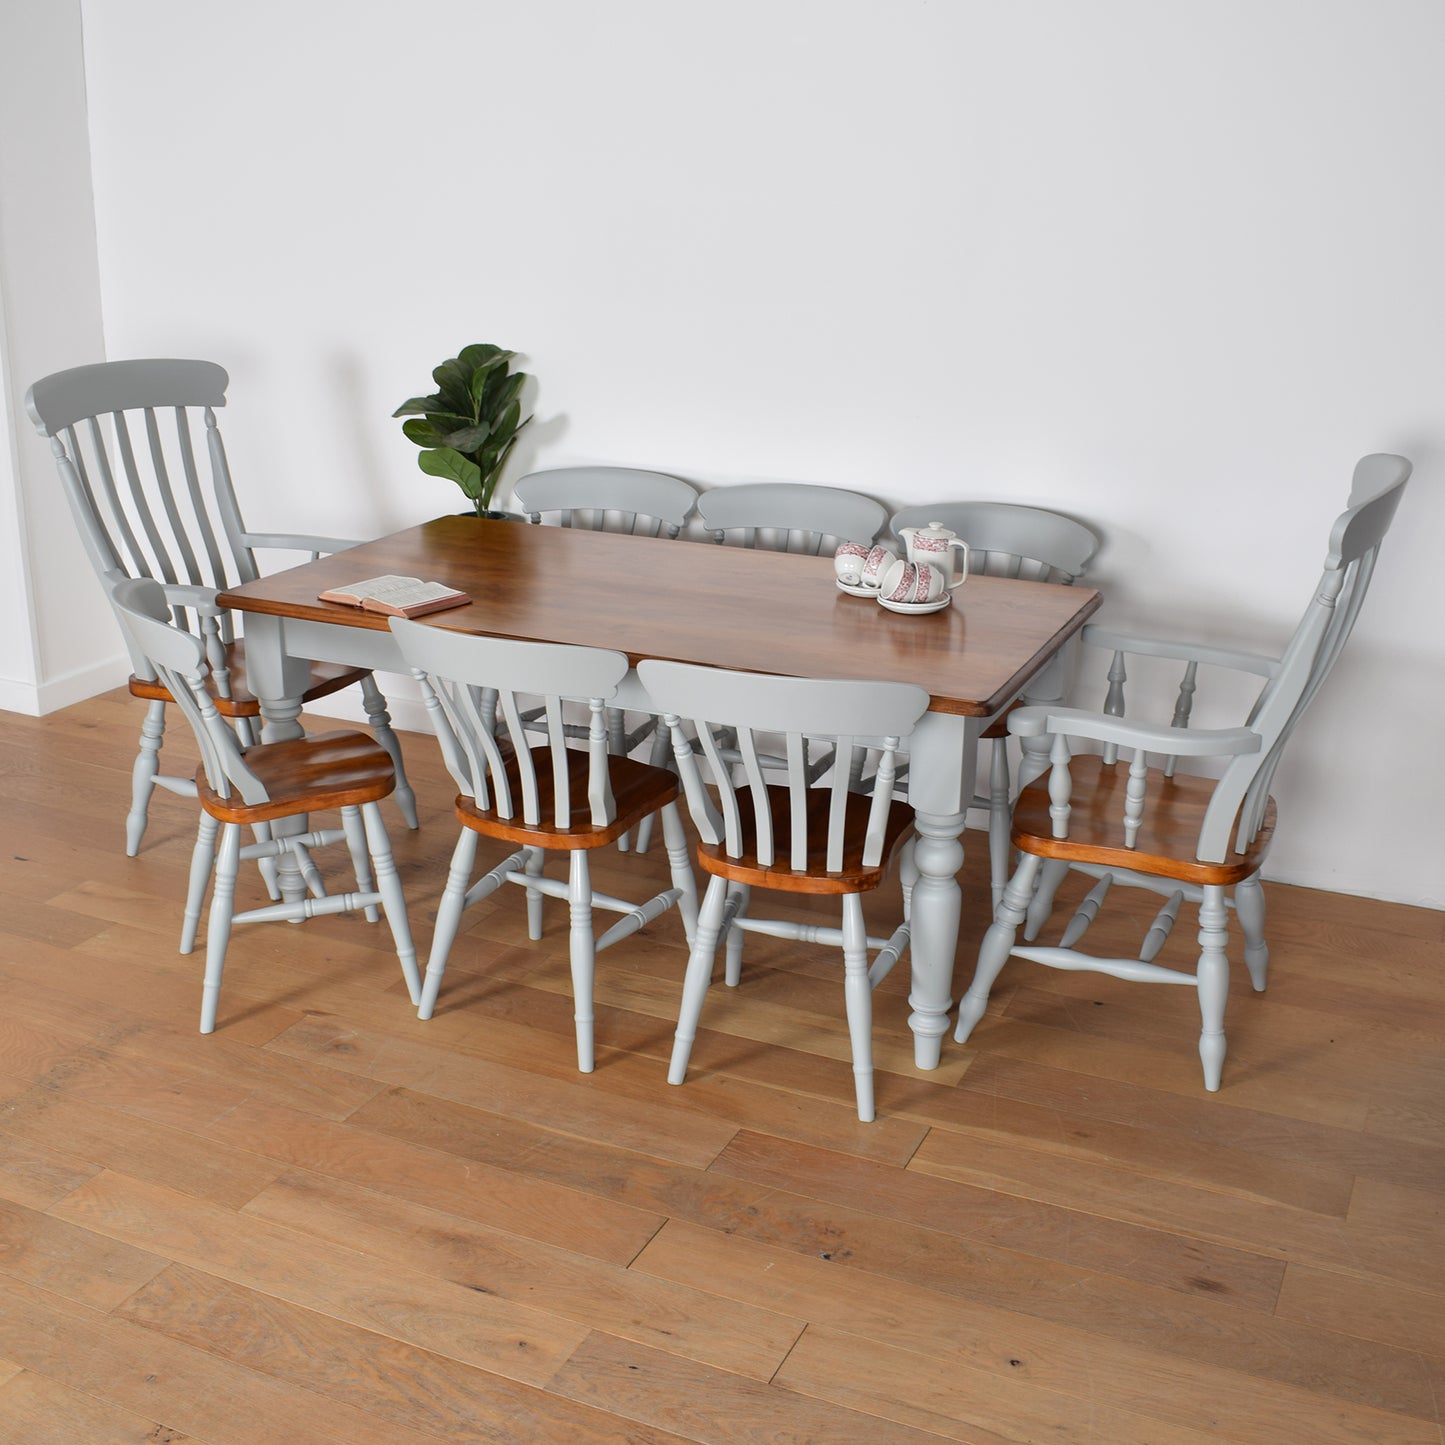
912, 583
848, 563
875, 562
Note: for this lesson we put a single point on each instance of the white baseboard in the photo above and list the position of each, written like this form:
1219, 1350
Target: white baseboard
38, 699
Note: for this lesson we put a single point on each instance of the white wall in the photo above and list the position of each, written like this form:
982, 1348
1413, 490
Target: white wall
63, 647
1169, 267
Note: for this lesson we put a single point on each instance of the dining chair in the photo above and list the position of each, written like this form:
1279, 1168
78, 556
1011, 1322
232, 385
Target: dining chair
617, 499
124, 436
789, 516
607, 499
1203, 839
793, 836
261, 784
1033, 545
544, 799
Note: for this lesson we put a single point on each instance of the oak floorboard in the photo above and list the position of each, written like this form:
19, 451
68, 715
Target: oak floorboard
397, 1382
83, 1137
68, 1260
1192, 1325
959, 1404
190, 1389
355, 1196
1294, 1235
712, 1406
675, 1319
527, 1202
517, 1341
1003, 1350
35, 1410
985, 1216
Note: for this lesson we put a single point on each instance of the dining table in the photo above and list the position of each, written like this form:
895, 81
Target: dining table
998, 640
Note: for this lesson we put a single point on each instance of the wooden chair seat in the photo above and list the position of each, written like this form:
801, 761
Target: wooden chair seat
853, 877
240, 701
638, 790
1168, 833
329, 770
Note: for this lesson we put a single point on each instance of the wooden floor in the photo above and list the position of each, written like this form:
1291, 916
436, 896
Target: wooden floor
331, 1222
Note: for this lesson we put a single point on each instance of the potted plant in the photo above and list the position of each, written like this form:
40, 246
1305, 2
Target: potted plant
468, 427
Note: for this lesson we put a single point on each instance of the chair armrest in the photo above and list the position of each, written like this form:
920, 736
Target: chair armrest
1033, 722
1254, 662
297, 542
201, 599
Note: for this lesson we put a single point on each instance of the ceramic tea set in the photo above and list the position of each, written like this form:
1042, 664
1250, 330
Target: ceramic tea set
922, 580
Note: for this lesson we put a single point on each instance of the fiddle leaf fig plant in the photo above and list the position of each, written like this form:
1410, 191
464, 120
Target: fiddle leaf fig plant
468, 427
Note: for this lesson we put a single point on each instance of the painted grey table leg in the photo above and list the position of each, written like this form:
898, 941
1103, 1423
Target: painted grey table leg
941, 773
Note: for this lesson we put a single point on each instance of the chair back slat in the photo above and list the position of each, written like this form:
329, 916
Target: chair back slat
487, 683
730, 710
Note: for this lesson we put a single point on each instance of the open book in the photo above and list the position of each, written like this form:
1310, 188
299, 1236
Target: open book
397, 596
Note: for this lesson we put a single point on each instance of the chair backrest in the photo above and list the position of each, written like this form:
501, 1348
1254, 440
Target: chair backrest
1007, 540
1378, 484
124, 437
476, 690
607, 499
728, 710
178, 659
789, 516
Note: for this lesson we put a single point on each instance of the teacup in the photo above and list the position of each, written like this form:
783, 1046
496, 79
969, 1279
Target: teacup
848, 563
912, 583
932, 544
874, 564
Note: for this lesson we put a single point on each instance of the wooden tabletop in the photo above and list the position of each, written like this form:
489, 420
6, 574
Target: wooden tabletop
697, 602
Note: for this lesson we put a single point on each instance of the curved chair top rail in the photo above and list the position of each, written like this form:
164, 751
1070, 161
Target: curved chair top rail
66, 397
599, 490
1057, 544
784, 507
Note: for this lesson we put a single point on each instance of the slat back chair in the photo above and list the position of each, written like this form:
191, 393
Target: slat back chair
127, 438
615, 499
239, 787
809, 833
1006, 540
789, 517
607, 499
1184, 837
544, 799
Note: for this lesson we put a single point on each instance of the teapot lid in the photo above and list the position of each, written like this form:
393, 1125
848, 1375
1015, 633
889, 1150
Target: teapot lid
935, 529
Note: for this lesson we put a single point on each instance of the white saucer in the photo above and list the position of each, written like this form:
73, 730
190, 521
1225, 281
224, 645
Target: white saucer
857, 591
937, 605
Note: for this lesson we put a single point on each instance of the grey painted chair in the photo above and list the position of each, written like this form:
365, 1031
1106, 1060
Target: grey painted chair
613, 499
1006, 540
610, 499
1184, 837
789, 516
793, 836
241, 787
124, 435
545, 799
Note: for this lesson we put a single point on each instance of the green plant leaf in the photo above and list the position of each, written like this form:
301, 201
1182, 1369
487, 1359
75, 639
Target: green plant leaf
479, 353
466, 439
451, 464
502, 391
418, 405
454, 384
423, 432
485, 377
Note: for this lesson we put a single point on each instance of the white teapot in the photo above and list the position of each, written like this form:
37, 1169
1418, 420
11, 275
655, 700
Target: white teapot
932, 544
